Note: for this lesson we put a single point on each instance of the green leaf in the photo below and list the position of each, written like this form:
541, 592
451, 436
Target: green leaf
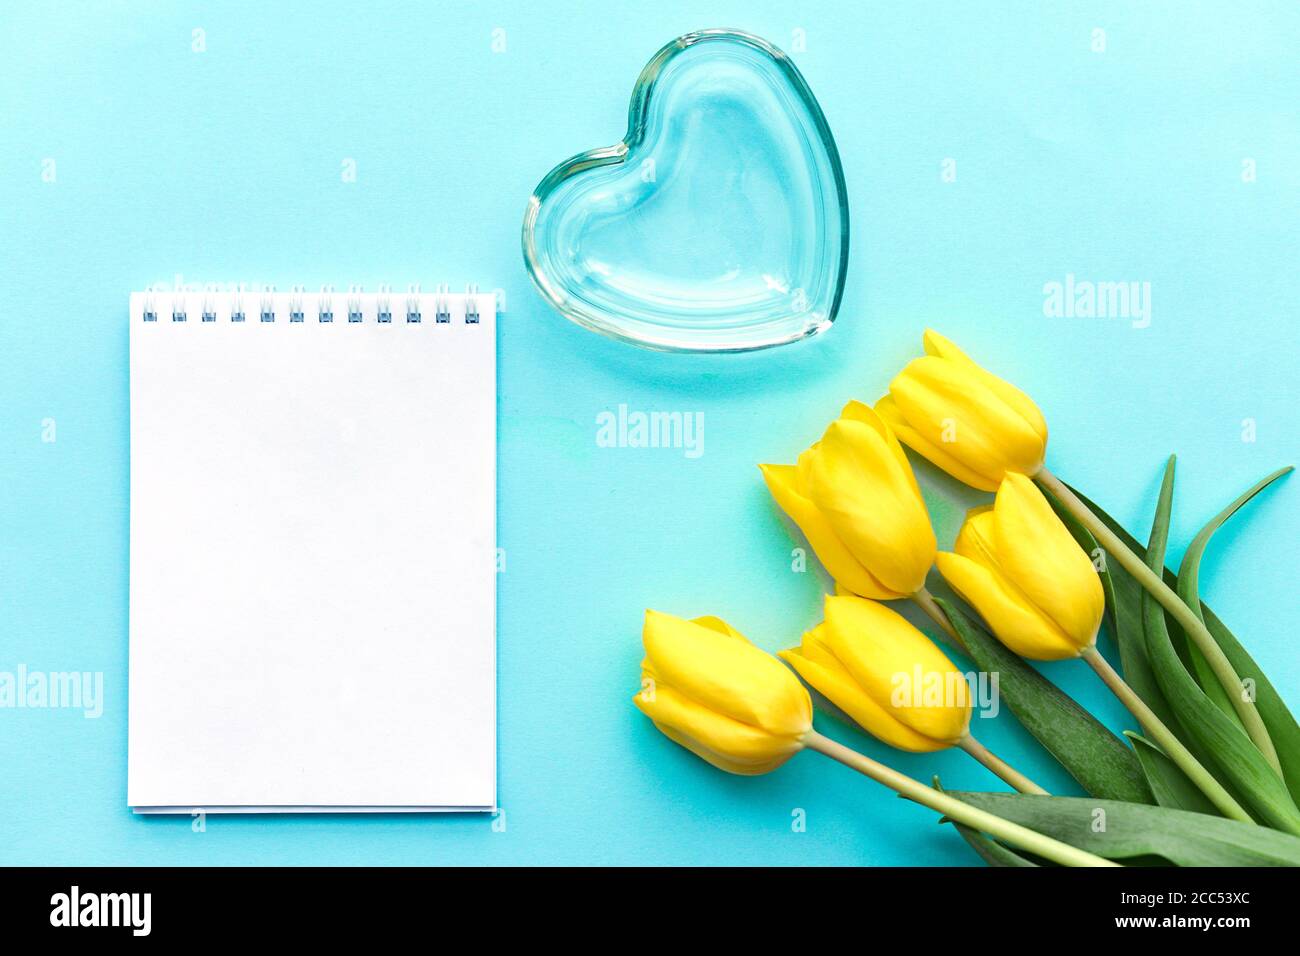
1123, 610
990, 851
1188, 590
1168, 782
1094, 756
1281, 724
1240, 766
1133, 831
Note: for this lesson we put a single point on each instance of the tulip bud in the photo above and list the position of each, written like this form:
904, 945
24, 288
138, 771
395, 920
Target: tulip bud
710, 690
856, 500
1017, 564
970, 423
885, 674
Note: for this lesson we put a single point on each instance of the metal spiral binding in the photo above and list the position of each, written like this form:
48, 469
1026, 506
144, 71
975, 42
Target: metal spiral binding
296, 304
471, 305
325, 304
442, 306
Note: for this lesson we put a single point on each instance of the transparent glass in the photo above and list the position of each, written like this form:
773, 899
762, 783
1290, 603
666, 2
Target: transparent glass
718, 224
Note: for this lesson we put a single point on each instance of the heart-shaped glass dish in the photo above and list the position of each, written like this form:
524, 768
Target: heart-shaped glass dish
719, 223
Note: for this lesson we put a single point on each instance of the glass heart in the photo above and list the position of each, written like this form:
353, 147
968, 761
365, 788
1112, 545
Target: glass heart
719, 223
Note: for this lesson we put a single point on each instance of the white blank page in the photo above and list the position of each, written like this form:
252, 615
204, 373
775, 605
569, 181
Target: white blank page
312, 607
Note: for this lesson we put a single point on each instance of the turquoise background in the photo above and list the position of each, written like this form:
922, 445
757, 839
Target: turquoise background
225, 165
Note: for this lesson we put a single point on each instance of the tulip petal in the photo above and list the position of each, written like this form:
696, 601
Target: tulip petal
739, 743
860, 412
936, 344
1038, 553
816, 649
803, 468
887, 409
871, 502
719, 625
1017, 624
932, 343
975, 539
977, 542
942, 399
883, 653
830, 678
721, 761
830, 550
723, 674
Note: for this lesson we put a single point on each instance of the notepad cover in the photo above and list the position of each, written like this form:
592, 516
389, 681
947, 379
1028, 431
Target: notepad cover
312, 573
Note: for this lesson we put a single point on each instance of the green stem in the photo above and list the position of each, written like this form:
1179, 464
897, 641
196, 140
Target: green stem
1162, 735
1191, 624
925, 601
954, 809
999, 766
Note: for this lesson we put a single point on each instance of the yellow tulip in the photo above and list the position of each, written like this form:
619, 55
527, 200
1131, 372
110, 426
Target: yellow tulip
856, 500
965, 420
710, 690
885, 674
1018, 565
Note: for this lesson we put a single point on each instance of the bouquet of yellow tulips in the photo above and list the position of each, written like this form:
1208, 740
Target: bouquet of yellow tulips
1210, 773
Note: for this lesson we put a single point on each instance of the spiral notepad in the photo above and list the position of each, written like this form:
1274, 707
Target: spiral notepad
313, 554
